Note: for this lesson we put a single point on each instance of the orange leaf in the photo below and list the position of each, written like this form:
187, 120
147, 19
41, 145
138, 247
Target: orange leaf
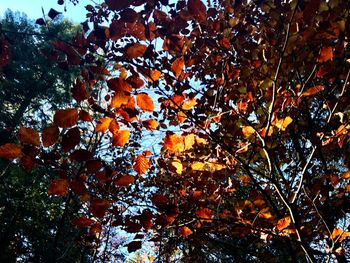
282, 124
150, 124
136, 50
119, 99
326, 54
145, 102
177, 66
103, 124
174, 143
204, 213
50, 135
10, 151
28, 136
188, 104
58, 187
119, 85
312, 91
197, 9
114, 127
185, 231
181, 116
121, 138
66, 118
283, 223
337, 231
248, 130
154, 75
125, 180
141, 164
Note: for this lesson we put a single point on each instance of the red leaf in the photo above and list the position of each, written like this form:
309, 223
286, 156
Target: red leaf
82, 221
70, 139
66, 118
312, 91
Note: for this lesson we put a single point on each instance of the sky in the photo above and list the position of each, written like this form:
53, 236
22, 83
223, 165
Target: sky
33, 8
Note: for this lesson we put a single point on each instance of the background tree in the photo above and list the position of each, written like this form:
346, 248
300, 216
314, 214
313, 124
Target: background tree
32, 86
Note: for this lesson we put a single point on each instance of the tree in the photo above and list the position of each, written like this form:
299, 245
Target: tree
31, 85
251, 117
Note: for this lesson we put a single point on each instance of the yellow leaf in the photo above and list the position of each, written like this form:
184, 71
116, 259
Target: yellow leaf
178, 165
282, 124
144, 101
248, 130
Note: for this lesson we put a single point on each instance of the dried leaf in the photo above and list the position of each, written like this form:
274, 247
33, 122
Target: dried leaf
197, 9
150, 124
119, 99
174, 143
312, 91
205, 213
98, 207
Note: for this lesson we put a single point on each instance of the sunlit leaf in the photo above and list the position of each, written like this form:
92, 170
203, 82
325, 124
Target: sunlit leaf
282, 124
145, 102
185, 231
119, 99
177, 66
174, 143
248, 130
142, 163
121, 138
188, 104
103, 124
205, 213
178, 166
150, 124
283, 223
312, 91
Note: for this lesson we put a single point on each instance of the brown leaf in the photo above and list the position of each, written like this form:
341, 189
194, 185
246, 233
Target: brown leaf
205, 213
145, 102
98, 207
58, 187
136, 50
121, 138
82, 222
28, 136
66, 118
50, 135
10, 151
142, 164
197, 9
125, 180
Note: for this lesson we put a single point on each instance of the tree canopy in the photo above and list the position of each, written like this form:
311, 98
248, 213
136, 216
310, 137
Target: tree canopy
210, 131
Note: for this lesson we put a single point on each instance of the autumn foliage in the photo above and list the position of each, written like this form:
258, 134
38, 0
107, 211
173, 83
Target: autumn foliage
205, 127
